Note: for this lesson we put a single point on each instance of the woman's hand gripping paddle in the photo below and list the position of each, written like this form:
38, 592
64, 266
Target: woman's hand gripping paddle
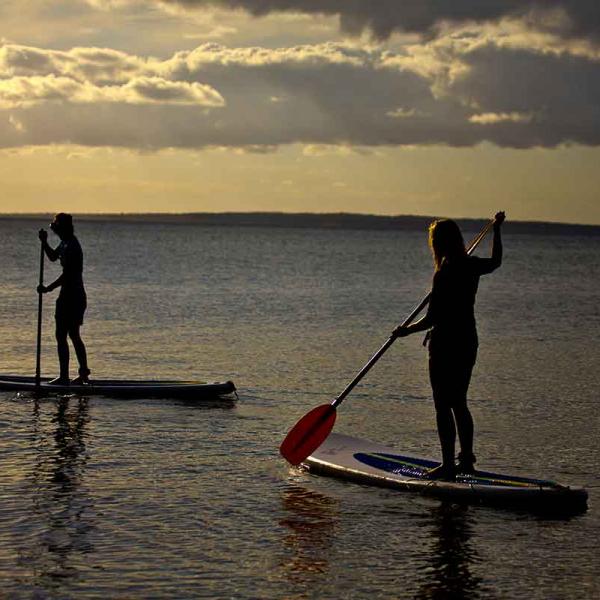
314, 427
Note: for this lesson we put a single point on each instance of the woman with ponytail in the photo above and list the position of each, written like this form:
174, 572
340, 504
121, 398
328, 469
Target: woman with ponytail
452, 338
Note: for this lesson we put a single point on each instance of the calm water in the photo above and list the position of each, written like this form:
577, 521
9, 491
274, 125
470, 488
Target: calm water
163, 499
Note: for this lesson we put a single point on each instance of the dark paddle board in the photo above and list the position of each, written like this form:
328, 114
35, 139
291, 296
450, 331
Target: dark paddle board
122, 388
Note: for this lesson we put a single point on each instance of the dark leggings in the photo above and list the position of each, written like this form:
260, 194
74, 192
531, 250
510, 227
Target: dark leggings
450, 374
62, 331
70, 308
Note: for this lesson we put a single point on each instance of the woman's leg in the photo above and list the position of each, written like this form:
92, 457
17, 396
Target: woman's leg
462, 414
438, 376
63, 350
80, 350
464, 424
447, 434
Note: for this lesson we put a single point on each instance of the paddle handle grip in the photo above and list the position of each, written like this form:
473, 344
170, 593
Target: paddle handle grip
406, 322
38, 358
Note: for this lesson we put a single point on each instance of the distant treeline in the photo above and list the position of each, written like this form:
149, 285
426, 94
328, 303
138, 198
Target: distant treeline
321, 221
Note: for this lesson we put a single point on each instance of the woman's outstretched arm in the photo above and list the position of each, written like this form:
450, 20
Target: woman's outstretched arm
497, 242
487, 265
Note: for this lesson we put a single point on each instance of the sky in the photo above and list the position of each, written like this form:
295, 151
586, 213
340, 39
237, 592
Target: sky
436, 107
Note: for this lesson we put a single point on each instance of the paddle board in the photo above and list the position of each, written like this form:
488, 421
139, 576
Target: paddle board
369, 463
122, 388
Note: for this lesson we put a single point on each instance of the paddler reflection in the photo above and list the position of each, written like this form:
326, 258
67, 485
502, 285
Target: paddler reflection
62, 515
451, 556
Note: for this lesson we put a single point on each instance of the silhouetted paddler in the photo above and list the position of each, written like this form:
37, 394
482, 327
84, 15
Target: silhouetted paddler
452, 337
72, 301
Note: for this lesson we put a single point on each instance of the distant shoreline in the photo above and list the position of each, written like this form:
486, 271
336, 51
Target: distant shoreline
350, 221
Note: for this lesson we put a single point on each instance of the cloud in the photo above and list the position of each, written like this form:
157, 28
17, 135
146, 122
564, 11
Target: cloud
560, 94
98, 65
16, 123
463, 88
493, 118
570, 18
402, 113
150, 90
23, 92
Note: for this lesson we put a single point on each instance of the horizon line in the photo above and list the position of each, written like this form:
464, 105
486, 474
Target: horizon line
182, 214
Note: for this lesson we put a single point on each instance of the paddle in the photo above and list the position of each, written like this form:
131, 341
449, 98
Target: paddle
38, 361
312, 429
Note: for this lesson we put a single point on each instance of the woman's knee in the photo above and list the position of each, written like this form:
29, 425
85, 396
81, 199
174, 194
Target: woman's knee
443, 405
61, 334
74, 334
461, 410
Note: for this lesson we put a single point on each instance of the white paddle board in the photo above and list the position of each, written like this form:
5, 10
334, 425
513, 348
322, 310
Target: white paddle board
369, 463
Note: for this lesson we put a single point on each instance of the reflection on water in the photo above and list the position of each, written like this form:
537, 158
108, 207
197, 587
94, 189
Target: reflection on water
61, 509
451, 556
311, 520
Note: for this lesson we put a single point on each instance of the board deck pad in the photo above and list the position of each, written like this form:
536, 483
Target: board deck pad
408, 466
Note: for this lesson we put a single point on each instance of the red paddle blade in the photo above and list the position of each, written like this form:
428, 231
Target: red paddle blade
308, 434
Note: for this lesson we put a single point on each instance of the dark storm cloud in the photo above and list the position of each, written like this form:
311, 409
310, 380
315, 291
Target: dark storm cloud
382, 17
554, 99
454, 93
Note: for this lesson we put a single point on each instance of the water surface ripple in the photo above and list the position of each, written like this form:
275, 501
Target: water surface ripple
103, 498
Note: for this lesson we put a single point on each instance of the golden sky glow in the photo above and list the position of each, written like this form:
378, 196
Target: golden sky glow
235, 105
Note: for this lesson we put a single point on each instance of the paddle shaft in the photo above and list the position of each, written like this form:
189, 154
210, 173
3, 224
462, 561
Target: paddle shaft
407, 321
38, 359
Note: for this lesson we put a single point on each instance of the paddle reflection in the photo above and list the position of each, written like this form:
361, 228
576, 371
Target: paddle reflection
61, 507
311, 523
451, 556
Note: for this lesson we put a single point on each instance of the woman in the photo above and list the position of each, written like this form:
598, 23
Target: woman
72, 301
453, 338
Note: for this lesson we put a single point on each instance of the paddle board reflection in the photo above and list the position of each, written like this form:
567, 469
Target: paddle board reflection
60, 514
450, 555
311, 522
